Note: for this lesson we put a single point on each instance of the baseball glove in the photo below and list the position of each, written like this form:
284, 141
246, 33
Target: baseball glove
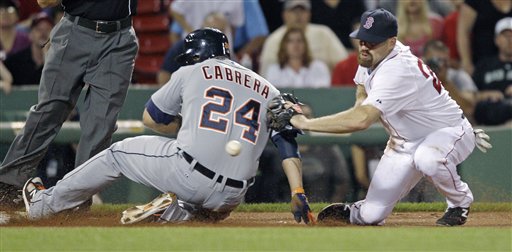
278, 117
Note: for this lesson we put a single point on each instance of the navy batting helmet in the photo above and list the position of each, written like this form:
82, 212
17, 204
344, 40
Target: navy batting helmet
203, 44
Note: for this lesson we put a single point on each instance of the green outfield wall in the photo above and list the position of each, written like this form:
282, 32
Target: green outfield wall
489, 175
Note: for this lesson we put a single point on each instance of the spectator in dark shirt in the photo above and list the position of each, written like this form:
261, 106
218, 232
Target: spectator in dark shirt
26, 65
493, 77
338, 15
475, 26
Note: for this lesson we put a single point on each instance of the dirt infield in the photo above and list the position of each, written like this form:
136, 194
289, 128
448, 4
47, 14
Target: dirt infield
256, 219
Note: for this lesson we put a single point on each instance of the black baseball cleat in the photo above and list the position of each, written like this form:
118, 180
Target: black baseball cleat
29, 189
335, 212
455, 216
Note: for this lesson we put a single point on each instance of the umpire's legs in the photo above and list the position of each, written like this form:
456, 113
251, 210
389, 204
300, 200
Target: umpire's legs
108, 75
59, 89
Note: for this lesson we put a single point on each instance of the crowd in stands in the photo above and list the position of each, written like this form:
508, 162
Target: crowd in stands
305, 44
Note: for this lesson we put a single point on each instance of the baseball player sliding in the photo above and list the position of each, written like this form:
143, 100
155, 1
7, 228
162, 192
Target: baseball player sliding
216, 101
429, 135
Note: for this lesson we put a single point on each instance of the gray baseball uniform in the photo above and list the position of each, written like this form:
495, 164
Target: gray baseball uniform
219, 101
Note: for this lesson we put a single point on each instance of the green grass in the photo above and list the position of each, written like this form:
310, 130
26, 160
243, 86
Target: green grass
299, 238
173, 238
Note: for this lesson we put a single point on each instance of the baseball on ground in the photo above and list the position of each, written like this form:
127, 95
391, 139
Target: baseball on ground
233, 147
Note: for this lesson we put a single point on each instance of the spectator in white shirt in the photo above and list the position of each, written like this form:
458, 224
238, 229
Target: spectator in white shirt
324, 44
296, 68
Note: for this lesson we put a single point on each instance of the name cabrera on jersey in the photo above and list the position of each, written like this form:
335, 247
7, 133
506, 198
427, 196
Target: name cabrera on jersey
409, 95
220, 101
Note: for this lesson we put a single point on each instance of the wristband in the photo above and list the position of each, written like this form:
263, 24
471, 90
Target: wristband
298, 190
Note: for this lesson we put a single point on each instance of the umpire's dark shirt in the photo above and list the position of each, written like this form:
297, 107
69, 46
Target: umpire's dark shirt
106, 10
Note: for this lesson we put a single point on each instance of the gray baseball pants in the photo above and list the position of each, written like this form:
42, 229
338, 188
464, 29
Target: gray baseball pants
77, 56
153, 161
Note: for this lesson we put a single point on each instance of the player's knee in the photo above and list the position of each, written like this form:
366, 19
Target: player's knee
428, 161
372, 215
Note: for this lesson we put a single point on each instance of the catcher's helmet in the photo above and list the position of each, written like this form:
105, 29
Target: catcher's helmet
203, 44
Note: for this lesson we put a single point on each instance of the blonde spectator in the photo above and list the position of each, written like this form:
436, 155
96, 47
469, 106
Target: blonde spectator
417, 24
296, 67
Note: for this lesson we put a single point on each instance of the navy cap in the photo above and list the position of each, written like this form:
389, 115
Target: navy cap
376, 26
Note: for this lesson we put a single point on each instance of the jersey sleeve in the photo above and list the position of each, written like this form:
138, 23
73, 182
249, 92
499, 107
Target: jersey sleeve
392, 89
360, 76
168, 98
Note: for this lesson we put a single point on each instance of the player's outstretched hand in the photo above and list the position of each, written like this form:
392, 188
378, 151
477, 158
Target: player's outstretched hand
279, 113
301, 209
482, 140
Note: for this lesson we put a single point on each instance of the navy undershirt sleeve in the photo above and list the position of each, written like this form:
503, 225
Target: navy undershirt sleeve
286, 144
158, 115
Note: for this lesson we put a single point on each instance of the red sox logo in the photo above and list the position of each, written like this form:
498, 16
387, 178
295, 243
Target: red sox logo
369, 22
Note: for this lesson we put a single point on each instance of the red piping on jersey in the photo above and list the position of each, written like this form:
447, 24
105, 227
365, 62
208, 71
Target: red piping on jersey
453, 148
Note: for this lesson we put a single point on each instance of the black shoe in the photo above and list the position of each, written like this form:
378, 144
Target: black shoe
10, 196
454, 217
29, 189
335, 212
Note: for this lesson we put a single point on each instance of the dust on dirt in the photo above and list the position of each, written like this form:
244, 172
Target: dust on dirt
247, 219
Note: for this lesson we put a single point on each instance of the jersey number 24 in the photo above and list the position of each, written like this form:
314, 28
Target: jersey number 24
245, 116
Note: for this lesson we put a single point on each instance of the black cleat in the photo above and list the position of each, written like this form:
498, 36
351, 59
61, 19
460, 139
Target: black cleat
454, 217
335, 212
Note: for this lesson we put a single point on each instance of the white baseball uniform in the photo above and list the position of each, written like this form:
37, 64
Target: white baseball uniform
220, 101
429, 135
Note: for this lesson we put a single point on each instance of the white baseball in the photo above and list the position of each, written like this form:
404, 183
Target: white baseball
233, 147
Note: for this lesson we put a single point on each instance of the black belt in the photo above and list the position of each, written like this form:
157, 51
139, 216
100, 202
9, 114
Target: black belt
101, 26
211, 174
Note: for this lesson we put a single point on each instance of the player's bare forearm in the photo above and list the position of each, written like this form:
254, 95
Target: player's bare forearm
299, 202
354, 119
360, 95
293, 169
167, 129
467, 18
48, 3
